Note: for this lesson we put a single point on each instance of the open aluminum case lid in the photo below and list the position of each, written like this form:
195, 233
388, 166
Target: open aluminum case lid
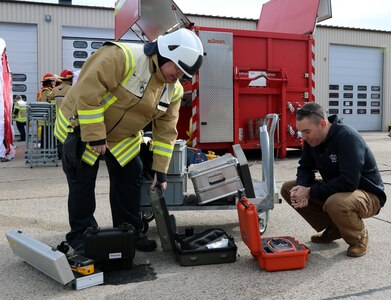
41, 256
151, 17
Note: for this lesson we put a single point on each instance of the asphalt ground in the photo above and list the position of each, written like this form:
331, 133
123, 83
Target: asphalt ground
34, 200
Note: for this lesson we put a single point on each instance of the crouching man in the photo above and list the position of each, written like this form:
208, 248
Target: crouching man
350, 188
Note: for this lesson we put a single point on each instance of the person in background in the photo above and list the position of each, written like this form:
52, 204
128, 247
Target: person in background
350, 187
48, 82
58, 81
19, 113
120, 89
57, 95
59, 91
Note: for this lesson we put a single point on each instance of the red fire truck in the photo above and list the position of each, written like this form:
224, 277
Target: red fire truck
246, 74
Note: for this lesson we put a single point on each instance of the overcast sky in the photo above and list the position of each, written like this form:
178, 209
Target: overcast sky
373, 14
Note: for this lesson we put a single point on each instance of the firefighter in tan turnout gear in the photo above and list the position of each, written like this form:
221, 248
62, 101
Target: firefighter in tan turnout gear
48, 82
57, 95
122, 88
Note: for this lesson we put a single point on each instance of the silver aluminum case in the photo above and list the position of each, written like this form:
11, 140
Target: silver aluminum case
178, 160
41, 256
175, 193
85, 281
215, 179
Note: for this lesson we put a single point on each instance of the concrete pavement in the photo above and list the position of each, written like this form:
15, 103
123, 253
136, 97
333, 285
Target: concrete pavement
34, 200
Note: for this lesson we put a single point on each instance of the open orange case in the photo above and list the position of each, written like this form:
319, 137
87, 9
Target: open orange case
273, 253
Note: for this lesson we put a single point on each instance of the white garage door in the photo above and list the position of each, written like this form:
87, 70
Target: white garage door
21, 41
79, 43
356, 86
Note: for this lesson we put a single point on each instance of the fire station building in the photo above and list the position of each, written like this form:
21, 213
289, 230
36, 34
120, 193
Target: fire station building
352, 66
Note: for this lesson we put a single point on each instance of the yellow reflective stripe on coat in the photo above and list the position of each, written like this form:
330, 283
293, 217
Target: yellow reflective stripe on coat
61, 127
178, 93
127, 149
58, 133
129, 61
89, 156
108, 99
91, 116
163, 148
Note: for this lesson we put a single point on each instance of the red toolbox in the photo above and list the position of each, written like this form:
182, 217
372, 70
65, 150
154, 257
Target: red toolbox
272, 253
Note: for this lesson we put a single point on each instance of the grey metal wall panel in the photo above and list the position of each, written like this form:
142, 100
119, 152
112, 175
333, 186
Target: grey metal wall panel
216, 88
21, 41
326, 36
79, 43
49, 35
356, 85
219, 22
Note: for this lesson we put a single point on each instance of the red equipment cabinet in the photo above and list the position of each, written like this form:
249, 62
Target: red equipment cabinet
246, 74
283, 66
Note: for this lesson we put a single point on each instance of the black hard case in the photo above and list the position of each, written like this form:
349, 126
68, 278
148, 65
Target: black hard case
189, 248
110, 248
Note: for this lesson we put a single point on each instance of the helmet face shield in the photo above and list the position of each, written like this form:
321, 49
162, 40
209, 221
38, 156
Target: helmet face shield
190, 70
184, 48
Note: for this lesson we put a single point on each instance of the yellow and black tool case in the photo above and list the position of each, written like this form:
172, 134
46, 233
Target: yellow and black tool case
110, 248
212, 246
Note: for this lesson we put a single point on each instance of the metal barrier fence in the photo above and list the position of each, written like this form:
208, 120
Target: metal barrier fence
41, 145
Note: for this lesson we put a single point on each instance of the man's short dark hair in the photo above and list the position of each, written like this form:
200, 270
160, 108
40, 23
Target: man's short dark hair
312, 111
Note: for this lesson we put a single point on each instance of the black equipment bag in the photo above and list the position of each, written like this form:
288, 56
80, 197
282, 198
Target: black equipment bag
110, 248
212, 246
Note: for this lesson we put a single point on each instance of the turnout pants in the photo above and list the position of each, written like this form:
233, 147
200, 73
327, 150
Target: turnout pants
342, 210
125, 196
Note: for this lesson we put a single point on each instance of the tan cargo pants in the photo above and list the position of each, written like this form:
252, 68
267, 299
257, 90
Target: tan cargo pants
343, 210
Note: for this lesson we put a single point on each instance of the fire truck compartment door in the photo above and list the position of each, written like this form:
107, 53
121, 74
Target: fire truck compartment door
151, 17
293, 16
216, 112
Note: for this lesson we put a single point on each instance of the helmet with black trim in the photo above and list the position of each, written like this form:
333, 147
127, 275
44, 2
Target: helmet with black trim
184, 48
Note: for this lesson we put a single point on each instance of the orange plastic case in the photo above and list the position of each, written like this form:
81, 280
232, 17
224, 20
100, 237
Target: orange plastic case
273, 253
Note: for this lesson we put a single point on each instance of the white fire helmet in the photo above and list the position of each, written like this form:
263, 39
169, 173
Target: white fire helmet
184, 48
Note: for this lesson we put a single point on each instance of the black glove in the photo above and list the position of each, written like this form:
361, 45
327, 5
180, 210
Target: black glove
73, 149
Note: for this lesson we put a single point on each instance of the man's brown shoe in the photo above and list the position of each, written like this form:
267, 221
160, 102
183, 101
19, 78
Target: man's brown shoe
360, 248
330, 234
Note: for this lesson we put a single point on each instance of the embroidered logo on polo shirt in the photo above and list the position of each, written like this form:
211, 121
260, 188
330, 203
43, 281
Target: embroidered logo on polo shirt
333, 158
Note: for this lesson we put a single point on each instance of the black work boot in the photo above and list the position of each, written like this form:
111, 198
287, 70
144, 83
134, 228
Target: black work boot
145, 244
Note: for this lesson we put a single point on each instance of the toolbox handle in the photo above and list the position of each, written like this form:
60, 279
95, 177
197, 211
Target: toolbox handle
92, 229
216, 178
241, 200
